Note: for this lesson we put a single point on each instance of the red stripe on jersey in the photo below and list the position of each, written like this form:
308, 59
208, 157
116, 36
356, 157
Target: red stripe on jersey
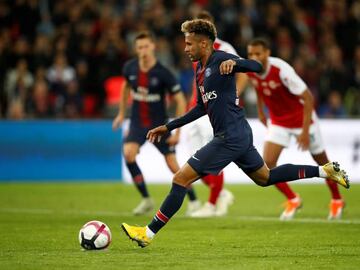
162, 217
200, 75
301, 173
144, 108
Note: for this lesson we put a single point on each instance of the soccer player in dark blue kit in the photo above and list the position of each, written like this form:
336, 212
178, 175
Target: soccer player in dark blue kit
149, 82
232, 140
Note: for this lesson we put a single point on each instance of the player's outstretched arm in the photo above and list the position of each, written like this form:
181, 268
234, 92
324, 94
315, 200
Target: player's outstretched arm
155, 134
239, 65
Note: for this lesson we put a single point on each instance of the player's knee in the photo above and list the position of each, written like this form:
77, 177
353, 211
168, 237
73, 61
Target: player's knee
261, 176
180, 179
129, 155
261, 179
177, 178
261, 182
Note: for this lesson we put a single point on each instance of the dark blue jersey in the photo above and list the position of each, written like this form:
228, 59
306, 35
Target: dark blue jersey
217, 97
148, 92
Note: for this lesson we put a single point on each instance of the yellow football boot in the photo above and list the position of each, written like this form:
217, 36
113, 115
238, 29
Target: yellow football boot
137, 234
333, 171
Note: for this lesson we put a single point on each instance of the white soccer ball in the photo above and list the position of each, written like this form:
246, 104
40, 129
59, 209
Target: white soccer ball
95, 235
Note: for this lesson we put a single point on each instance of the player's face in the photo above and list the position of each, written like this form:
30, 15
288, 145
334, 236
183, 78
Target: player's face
258, 53
192, 47
144, 48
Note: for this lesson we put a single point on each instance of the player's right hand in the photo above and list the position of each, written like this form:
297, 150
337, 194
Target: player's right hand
227, 66
117, 122
155, 134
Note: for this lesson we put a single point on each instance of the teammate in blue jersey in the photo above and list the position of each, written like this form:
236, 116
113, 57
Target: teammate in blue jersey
232, 140
149, 82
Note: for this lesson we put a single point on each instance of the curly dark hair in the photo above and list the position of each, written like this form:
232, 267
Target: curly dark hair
200, 27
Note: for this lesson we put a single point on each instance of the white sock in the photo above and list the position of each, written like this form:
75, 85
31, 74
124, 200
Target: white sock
322, 172
149, 233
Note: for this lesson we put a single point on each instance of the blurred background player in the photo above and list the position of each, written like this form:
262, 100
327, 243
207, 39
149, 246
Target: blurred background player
291, 112
149, 82
200, 133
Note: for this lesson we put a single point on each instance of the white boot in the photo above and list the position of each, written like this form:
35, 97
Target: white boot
145, 206
225, 199
207, 210
192, 207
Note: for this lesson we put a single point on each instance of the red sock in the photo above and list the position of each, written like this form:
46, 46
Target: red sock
334, 189
286, 190
215, 183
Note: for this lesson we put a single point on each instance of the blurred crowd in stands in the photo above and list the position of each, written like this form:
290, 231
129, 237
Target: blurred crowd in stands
63, 58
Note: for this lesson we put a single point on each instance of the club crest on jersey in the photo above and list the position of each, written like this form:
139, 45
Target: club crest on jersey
206, 96
154, 81
207, 72
273, 84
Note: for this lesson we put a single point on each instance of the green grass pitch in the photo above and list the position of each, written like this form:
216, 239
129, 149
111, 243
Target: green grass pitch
39, 224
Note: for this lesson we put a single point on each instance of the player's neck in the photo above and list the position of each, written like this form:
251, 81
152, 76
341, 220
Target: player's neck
146, 64
205, 58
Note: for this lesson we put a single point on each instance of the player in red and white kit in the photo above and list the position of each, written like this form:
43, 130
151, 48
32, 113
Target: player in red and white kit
200, 133
291, 112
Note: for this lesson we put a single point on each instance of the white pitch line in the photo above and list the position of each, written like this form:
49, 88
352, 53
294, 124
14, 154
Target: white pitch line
27, 211
299, 220
42, 211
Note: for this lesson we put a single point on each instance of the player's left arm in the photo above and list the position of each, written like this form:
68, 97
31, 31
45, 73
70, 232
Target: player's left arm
179, 99
298, 87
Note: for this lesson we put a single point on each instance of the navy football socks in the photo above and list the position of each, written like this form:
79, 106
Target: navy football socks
290, 172
138, 178
169, 207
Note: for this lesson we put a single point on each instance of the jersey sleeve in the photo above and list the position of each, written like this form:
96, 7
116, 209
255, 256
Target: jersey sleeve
190, 116
126, 70
292, 80
242, 65
171, 84
247, 65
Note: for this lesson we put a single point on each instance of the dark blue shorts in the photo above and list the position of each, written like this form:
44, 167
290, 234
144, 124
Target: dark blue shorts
138, 135
218, 153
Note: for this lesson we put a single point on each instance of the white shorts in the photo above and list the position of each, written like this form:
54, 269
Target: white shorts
282, 136
199, 133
